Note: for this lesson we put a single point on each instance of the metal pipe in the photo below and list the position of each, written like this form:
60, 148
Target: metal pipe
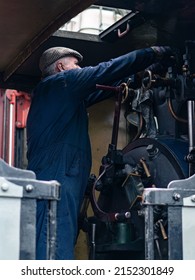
191, 123
10, 148
92, 251
4, 126
149, 232
191, 132
52, 229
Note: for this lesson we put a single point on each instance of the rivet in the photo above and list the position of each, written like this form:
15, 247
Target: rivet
4, 187
29, 188
176, 196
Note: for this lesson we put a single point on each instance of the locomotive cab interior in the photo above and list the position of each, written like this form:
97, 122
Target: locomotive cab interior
150, 140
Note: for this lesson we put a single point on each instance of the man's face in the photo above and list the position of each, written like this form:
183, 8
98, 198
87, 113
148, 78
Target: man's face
67, 63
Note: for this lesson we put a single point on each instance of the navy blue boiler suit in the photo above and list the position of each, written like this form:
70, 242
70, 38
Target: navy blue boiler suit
58, 141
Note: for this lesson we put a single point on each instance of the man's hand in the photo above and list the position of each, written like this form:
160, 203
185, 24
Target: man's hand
162, 51
166, 57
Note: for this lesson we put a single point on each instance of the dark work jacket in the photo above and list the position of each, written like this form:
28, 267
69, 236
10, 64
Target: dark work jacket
57, 124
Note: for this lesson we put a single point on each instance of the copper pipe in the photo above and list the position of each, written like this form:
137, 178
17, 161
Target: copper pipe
173, 113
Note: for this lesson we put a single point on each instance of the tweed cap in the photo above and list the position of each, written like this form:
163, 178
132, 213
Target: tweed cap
53, 54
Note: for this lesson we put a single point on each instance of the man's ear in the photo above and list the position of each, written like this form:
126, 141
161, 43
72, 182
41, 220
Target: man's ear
59, 67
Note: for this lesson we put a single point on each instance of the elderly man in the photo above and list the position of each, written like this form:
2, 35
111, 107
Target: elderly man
57, 130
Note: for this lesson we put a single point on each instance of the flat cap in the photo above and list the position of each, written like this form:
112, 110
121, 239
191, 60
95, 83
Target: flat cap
53, 54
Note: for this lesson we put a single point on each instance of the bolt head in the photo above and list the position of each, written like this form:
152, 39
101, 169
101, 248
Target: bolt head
5, 187
29, 188
176, 196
